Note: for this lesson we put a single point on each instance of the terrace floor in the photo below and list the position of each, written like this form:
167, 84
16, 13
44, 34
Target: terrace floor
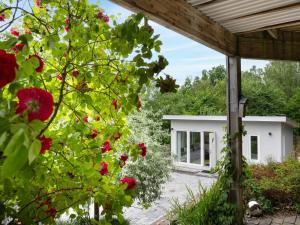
280, 219
176, 188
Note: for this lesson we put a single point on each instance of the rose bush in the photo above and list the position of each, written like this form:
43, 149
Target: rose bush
69, 77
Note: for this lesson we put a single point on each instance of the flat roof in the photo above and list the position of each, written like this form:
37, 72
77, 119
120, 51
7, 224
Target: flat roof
274, 119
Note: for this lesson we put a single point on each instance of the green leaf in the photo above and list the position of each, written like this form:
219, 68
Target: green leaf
14, 143
14, 162
34, 150
3, 138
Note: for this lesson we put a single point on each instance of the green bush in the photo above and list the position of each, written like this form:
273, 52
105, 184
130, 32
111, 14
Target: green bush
154, 170
208, 207
275, 185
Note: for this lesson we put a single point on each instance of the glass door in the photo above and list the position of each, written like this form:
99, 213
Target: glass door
195, 147
181, 146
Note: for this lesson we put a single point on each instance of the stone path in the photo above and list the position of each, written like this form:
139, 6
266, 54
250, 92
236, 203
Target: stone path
275, 220
176, 188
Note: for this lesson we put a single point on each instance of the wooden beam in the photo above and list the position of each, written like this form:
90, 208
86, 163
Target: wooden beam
182, 17
234, 129
261, 45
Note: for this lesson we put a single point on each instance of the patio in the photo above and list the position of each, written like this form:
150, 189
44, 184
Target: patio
176, 188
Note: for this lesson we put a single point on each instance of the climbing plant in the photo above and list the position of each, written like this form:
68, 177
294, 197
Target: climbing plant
69, 77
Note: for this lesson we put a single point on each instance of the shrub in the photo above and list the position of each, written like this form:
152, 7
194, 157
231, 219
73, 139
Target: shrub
208, 207
152, 171
277, 184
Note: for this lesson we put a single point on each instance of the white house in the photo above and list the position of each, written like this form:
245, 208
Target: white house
197, 141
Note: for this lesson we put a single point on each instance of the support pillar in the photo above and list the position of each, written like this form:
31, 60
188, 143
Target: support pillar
234, 126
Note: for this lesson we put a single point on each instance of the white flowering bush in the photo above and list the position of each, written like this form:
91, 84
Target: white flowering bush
154, 170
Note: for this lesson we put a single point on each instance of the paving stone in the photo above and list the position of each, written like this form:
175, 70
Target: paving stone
277, 220
290, 219
253, 221
266, 221
297, 220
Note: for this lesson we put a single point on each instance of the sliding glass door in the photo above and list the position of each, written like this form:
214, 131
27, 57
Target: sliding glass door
195, 147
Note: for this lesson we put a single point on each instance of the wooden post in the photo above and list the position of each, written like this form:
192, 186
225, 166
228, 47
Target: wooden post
234, 126
96, 211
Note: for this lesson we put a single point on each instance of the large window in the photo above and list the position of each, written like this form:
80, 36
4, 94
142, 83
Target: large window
254, 147
195, 147
182, 146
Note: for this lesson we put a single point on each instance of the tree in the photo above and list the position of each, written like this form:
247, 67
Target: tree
284, 75
67, 85
154, 170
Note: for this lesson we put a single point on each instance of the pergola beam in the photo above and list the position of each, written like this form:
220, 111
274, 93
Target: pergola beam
261, 45
182, 17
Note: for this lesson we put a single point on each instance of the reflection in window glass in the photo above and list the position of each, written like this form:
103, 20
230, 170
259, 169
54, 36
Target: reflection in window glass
206, 149
254, 147
195, 146
182, 146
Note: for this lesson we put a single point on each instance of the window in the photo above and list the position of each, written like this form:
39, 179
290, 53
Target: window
254, 147
182, 146
195, 147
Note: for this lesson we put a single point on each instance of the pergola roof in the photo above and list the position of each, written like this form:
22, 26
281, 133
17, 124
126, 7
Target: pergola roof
261, 29
239, 16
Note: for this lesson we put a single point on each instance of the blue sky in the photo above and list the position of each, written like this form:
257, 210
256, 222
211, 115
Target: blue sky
186, 57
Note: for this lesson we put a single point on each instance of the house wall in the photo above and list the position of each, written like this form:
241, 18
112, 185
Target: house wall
269, 141
270, 145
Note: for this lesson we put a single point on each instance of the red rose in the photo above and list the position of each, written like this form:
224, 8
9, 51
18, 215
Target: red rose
115, 103
106, 147
103, 17
18, 47
38, 3
8, 65
41, 63
51, 212
131, 183
143, 149
38, 103
67, 25
106, 19
59, 77
104, 168
2, 17
75, 73
14, 32
46, 144
94, 134
124, 157
86, 119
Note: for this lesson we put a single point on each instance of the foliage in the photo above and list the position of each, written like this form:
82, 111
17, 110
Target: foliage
95, 71
284, 75
275, 184
154, 170
208, 207
268, 87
